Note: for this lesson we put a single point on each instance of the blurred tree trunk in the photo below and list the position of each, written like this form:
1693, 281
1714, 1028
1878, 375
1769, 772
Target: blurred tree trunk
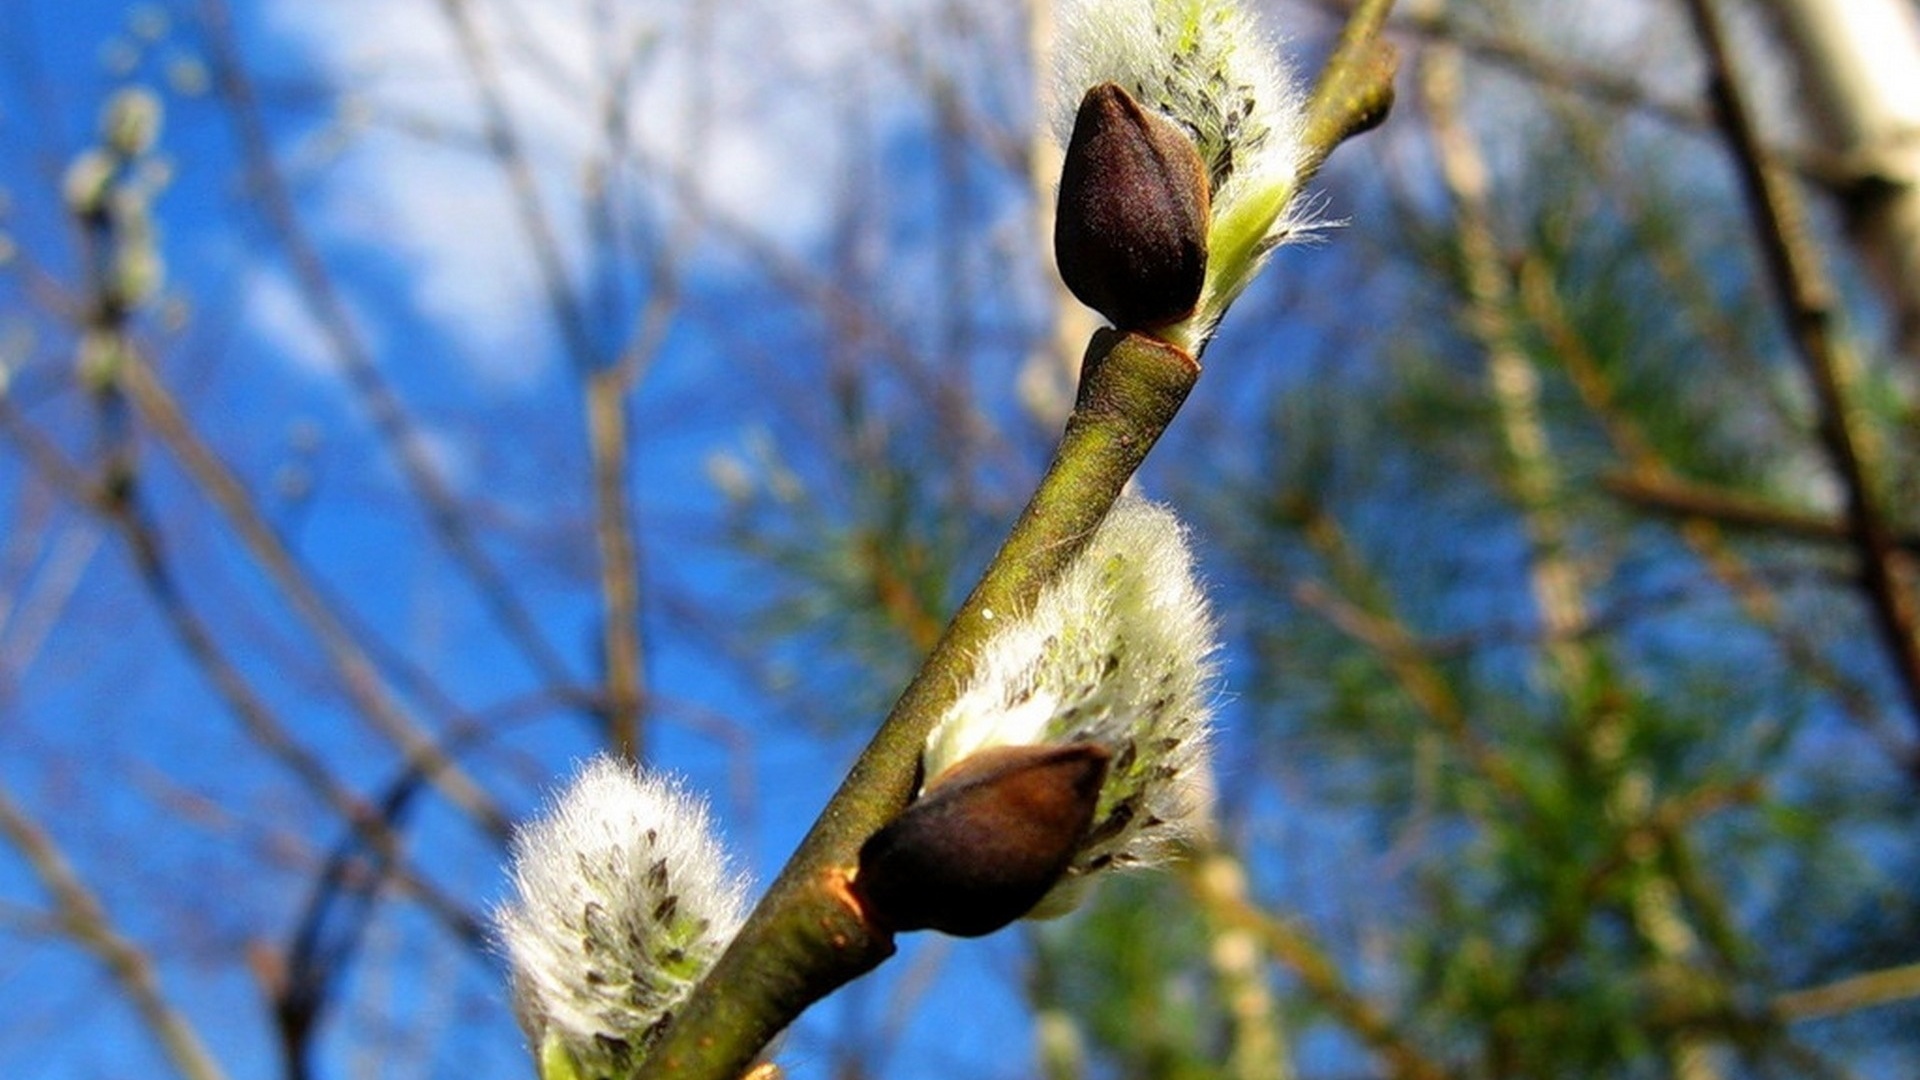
1858, 64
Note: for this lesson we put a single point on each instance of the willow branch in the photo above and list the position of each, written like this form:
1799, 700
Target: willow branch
1355, 89
808, 936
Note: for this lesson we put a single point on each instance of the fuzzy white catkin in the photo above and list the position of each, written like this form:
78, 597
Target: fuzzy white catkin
623, 900
1118, 650
1204, 63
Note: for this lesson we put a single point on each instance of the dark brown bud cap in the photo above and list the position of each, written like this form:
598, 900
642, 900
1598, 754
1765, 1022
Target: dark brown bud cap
986, 842
1131, 232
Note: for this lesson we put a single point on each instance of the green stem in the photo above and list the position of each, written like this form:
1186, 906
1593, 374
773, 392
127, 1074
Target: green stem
1355, 89
807, 938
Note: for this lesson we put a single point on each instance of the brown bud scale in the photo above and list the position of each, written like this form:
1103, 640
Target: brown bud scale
987, 840
1131, 232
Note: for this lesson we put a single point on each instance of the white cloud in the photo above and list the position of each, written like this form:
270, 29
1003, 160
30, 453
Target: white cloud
276, 312
449, 221
760, 80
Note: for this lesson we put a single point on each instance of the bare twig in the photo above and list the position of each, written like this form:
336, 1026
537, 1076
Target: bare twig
1851, 994
81, 916
1808, 305
247, 705
325, 940
607, 387
1667, 494
360, 677
608, 449
1299, 954
444, 514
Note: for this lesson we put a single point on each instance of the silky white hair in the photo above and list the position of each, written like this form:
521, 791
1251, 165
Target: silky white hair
623, 901
1118, 650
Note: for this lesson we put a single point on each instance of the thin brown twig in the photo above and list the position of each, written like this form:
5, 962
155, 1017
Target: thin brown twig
609, 447
1668, 494
1652, 484
608, 393
609, 390
1318, 974
247, 705
1851, 994
1809, 307
359, 675
81, 916
607, 387
608, 439
445, 517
